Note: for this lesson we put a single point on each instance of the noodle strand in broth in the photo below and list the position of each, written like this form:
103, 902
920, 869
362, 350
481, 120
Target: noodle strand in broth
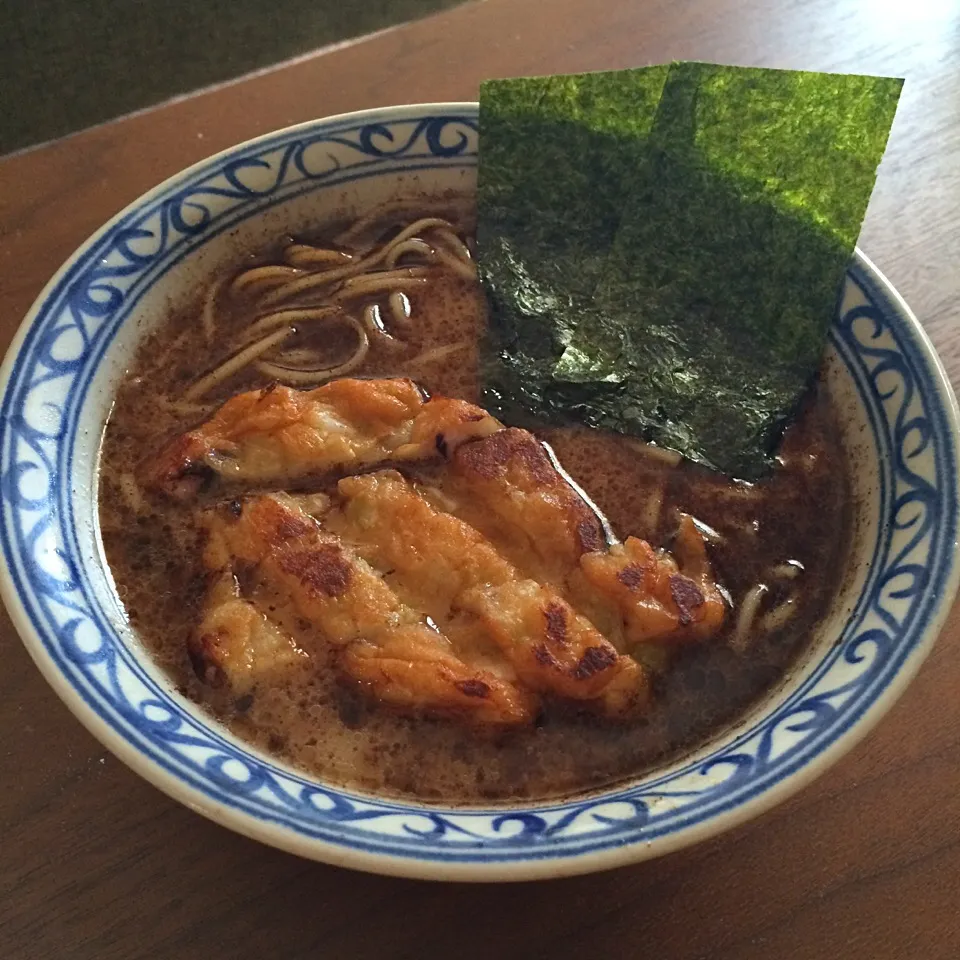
335, 280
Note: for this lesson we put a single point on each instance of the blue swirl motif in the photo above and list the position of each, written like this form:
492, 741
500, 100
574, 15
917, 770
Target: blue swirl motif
53, 375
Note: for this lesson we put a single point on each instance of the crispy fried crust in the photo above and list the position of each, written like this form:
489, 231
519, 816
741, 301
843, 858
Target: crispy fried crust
383, 644
659, 599
514, 479
655, 598
235, 644
280, 434
453, 571
470, 599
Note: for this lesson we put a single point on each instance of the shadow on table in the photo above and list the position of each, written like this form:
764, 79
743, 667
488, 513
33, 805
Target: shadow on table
66, 65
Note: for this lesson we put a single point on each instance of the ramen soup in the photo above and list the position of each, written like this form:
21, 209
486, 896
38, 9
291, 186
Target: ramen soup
401, 709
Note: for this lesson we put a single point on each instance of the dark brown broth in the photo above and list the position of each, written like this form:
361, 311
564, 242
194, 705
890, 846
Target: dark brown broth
309, 720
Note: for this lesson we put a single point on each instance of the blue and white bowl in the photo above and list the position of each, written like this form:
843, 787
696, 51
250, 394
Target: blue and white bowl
900, 423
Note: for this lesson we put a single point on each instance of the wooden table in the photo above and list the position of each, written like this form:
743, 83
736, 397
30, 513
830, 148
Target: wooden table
94, 863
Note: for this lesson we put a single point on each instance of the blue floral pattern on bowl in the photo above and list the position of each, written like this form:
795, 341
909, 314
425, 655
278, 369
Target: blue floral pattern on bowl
70, 633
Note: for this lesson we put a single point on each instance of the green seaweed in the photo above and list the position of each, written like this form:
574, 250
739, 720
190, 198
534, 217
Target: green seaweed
692, 308
556, 154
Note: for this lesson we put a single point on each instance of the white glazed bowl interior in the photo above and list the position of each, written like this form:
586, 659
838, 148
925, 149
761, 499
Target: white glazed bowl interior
899, 420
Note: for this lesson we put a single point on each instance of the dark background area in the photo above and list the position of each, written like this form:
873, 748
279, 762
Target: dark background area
68, 64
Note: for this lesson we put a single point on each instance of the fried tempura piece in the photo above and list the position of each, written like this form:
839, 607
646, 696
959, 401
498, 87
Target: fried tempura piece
654, 599
493, 584
383, 643
659, 599
450, 570
512, 477
280, 434
235, 644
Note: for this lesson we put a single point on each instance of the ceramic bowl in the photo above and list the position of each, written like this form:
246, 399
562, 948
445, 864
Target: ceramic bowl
900, 426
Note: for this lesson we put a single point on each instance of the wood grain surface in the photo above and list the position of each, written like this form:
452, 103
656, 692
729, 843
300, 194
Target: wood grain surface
94, 863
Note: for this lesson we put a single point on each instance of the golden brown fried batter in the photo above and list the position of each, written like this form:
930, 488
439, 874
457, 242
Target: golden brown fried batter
659, 600
556, 533
383, 643
511, 481
454, 573
283, 435
469, 598
235, 644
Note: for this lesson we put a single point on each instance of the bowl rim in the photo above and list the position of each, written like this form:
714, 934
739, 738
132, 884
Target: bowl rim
531, 867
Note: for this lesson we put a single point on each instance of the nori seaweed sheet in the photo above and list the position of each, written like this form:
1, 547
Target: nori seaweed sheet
662, 248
